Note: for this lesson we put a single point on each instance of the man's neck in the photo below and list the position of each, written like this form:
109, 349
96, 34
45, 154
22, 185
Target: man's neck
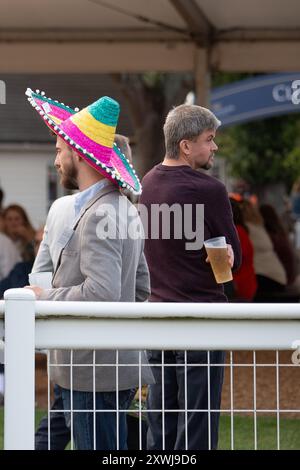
86, 183
172, 162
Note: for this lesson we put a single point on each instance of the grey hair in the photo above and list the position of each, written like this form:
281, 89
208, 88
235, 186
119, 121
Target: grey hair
186, 121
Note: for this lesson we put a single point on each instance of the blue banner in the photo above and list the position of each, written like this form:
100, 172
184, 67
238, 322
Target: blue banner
257, 98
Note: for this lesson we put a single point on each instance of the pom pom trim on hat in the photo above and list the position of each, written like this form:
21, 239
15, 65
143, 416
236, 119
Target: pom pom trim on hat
109, 170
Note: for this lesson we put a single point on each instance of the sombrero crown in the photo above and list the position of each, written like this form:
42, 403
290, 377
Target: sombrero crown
91, 133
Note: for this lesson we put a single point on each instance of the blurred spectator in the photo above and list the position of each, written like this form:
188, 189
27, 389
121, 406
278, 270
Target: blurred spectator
288, 219
18, 276
281, 242
1, 199
244, 279
1, 209
9, 256
295, 199
235, 197
19, 229
270, 273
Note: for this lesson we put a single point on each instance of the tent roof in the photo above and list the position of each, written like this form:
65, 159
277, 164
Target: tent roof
85, 14
251, 14
139, 35
132, 15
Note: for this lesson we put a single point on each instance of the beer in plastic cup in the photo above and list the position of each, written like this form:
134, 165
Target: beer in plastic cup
42, 279
216, 249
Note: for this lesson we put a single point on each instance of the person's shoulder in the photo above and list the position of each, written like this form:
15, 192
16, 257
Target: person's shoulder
62, 202
60, 210
4, 237
109, 201
113, 196
208, 186
150, 173
6, 242
113, 209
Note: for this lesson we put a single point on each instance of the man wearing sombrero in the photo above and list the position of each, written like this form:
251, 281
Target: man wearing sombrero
94, 265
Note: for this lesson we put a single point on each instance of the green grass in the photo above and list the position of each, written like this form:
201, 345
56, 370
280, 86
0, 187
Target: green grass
243, 432
266, 433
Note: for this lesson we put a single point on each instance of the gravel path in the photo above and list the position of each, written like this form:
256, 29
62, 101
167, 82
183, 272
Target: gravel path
266, 396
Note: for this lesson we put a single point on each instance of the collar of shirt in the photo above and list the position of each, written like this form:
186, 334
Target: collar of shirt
85, 196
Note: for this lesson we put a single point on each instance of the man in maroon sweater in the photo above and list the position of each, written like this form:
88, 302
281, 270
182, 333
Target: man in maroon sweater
179, 272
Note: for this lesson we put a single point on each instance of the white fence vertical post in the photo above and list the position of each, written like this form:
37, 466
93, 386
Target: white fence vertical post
19, 356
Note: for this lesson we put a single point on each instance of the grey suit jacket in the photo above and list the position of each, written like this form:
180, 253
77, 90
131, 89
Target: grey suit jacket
92, 267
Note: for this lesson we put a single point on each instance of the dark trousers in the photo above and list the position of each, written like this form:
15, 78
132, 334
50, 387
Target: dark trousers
103, 422
59, 432
178, 391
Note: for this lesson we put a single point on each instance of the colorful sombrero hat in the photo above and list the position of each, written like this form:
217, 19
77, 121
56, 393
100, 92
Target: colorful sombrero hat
90, 132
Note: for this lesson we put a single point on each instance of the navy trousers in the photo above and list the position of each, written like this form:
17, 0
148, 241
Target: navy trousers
178, 391
59, 431
105, 421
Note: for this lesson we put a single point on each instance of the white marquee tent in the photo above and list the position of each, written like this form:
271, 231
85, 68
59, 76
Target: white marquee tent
97, 36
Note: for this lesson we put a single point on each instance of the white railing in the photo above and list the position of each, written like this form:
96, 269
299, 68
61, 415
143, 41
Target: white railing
31, 324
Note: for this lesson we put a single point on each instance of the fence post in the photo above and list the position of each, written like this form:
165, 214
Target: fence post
19, 357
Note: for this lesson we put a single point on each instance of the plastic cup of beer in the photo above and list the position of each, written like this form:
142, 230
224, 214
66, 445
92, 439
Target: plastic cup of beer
216, 249
41, 279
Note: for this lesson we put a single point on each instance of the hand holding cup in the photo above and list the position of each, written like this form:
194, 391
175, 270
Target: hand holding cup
221, 257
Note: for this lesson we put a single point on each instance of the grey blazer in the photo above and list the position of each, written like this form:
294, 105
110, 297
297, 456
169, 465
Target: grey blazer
92, 267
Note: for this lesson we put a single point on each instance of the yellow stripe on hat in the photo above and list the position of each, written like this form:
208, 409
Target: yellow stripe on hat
97, 131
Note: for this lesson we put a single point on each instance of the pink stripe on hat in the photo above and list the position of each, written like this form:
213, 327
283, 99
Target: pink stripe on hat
117, 163
52, 110
100, 151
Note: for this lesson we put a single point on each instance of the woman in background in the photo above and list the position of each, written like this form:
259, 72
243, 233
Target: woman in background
17, 227
244, 279
280, 240
270, 273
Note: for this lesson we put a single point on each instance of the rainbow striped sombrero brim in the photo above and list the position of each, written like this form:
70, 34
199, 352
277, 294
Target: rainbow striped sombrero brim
90, 132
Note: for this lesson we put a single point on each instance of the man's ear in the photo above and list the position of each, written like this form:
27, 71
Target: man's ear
184, 147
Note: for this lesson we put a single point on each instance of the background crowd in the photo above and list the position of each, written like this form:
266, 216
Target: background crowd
270, 257
270, 268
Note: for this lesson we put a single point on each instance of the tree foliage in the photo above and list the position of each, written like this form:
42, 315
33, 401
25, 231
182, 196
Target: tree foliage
264, 151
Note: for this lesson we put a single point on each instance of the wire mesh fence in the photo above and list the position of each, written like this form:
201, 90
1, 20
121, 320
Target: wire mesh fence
259, 406
112, 384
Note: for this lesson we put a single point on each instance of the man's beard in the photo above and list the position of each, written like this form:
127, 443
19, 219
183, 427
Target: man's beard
68, 179
209, 164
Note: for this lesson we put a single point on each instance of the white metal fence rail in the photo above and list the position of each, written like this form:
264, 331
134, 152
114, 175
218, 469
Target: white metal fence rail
31, 324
